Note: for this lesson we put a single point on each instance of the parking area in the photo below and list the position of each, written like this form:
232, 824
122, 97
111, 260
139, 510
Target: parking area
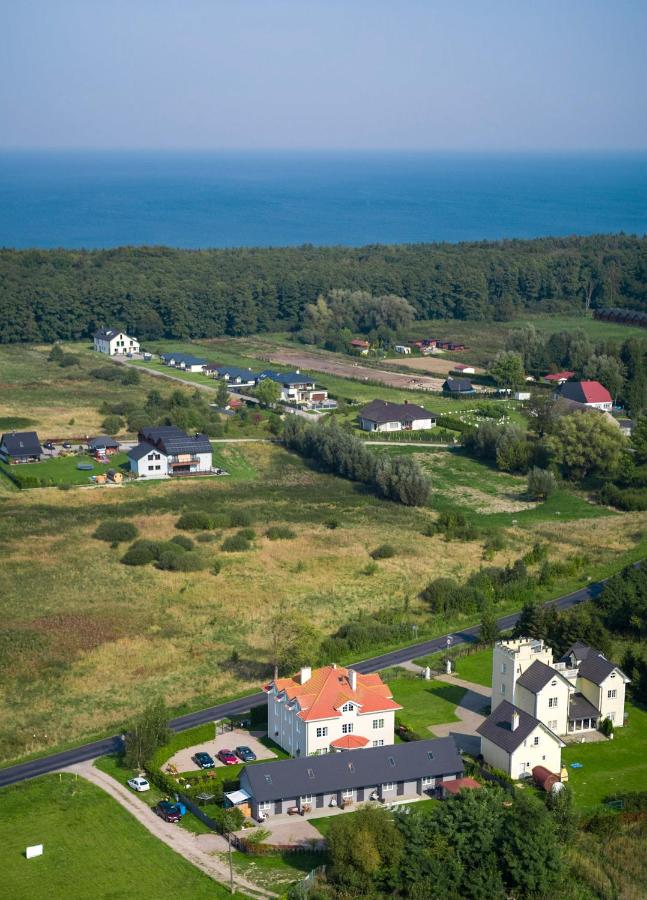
292, 831
239, 737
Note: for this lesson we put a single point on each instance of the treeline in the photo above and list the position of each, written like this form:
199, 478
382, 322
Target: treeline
154, 292
335, 450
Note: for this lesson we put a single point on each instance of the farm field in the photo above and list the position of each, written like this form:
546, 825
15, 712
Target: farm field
92, 848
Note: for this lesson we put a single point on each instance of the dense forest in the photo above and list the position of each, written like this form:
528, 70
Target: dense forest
156, 291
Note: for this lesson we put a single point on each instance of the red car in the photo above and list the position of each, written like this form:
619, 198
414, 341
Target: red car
227, 757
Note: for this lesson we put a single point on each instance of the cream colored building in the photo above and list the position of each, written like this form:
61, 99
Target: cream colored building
330, 709
114, 342
515, 742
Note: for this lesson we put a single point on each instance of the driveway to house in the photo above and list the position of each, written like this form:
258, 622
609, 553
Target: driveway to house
469, 711
201, 850
290, 830
183, 761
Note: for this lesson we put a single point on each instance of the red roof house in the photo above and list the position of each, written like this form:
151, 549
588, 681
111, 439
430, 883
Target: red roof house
590, 393
559, 377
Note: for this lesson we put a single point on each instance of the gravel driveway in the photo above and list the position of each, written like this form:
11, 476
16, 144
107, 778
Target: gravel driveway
183, 761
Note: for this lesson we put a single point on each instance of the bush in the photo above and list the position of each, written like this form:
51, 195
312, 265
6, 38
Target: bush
195, 521
138, 556
541, 483
384, 551
237, 543
69, 359
116, 532
332, 524
216, 567
207, 538
280, 533
182, 541
112, 424
370, 568
493, 544
629, 500
240, 518
180, 562
454, 525
248, 533
606, 727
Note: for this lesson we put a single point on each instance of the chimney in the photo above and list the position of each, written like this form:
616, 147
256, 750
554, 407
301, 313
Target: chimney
305, 674
352, 679
515, 721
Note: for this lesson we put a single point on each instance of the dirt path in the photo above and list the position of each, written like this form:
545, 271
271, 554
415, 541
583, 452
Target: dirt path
201, 850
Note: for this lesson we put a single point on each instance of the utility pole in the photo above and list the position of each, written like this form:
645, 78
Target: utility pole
231, 867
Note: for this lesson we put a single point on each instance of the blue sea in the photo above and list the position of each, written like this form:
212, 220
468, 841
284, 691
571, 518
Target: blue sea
91, 199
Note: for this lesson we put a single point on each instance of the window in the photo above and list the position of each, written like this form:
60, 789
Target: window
535, 742
311, 773
347, 728
268, 779
307, 798
391, 761
378, 743
378, 723
552, 702
157, 468
552, 724
388, 786
265, 805
347, 795
347, 707
612, 694
323, 731
503, 668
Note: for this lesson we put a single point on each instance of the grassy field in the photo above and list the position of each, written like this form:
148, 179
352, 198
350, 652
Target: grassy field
476, 667
425, 702
611, 766
276, 873
92, 848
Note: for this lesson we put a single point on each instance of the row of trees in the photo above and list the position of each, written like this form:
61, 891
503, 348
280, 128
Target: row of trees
47, 295
190, 412
478, 844
335, 450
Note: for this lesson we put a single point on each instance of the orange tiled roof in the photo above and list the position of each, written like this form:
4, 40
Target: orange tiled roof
328, 688
350, 742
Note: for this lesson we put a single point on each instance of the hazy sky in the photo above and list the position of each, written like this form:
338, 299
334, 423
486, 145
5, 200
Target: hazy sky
411, 74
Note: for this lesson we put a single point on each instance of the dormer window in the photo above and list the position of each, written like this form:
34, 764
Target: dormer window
347, 707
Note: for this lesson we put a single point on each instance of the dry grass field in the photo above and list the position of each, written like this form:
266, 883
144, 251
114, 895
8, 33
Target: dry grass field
86, 641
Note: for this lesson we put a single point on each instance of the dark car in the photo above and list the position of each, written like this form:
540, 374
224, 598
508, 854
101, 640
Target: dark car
168, 811
246, 754
48, 445
204, 760
227, 757
67, 445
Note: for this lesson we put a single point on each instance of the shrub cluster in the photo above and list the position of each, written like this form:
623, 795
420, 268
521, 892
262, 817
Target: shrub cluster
280, 533
170, 556
446, 595
454, 525
335, 450
116, 532
239, 542
384, 551
365, 633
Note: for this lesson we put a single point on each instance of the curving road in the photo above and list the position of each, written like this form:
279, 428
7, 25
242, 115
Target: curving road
56, 761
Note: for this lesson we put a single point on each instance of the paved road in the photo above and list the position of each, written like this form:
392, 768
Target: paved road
66, 758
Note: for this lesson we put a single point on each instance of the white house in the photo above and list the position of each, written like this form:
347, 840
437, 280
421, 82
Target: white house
516, 741
402, 348
298, 388
381, 415
330, 709
113, 342
168, 451
573, 694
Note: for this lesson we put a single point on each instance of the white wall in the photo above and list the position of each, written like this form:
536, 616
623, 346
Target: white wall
146, 467
547, 752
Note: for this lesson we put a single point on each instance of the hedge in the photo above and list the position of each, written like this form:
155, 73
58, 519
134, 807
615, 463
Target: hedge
116, 532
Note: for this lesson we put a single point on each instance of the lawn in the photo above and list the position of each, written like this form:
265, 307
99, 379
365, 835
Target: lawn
278, 871
64, 469
612, 766
476, 667
92, 848
425, 702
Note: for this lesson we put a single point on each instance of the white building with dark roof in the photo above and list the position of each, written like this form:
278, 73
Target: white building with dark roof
515, 741
381, 415
570, 696
20, 447
167, 451
114, 342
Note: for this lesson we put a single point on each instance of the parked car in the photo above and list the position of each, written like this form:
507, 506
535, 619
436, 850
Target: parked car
227, 757
245, 753
48, 445
204, 760
139, 784
67, 445
167, 811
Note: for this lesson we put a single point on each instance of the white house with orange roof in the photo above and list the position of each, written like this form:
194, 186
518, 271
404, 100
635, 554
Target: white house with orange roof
330, 709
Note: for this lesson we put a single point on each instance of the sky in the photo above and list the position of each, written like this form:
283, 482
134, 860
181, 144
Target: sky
427, 75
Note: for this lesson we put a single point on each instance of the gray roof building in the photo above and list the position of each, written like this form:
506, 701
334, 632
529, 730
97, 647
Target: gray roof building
172, 440
382, 411
537, 676
595, 667
21, 444
354, 769
102, 442
458, 386
581, 708
498, 727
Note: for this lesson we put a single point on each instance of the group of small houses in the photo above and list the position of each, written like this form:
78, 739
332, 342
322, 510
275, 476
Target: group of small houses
161, 452
295, 388
425, 346
320, 716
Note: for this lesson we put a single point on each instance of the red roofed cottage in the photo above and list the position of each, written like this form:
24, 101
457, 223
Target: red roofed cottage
330, 709
590, 393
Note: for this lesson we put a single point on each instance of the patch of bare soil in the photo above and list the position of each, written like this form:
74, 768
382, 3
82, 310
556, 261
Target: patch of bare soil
433, 364
488, 503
